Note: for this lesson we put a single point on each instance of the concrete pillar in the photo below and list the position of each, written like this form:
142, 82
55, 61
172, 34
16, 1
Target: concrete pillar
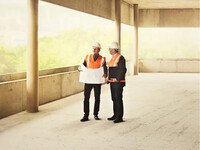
32, 57
118, 22
135, 55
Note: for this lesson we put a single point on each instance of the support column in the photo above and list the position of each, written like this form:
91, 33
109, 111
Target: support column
135, 55
118, 22
32, 57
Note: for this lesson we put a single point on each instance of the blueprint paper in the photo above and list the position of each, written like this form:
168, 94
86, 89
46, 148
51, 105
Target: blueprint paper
91, 76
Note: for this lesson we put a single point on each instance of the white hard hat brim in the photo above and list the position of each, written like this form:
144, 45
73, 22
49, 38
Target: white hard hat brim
113, 47
96, 46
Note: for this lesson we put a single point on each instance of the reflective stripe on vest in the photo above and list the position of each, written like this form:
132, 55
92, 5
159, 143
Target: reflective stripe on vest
88, 60
116, 61
102, 60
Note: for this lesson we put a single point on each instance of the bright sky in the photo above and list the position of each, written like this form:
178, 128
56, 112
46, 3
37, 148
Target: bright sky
54, 19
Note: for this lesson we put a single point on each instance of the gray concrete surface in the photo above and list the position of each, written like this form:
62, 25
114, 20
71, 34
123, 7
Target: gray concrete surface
161, 113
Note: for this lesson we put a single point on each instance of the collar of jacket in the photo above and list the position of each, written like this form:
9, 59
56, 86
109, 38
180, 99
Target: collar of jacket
95, 57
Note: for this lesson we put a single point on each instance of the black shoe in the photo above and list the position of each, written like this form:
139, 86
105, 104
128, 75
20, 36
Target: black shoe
112, 118
118, 120
96, 117
85, 118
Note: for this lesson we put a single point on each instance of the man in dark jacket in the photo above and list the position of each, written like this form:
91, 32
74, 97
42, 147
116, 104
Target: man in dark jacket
117, 83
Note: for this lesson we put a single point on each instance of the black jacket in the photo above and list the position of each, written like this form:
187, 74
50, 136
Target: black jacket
121, 72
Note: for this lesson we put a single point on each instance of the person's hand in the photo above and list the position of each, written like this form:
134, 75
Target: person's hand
104, 76
79, 69
114, 79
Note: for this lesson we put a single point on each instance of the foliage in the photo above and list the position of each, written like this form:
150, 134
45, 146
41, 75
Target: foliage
69, 48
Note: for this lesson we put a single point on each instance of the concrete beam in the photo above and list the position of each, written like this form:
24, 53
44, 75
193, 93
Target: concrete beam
100, 8
165, 4
148, 17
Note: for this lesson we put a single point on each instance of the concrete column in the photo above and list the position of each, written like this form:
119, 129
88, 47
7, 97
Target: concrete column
135, 55
118, 22
32, 57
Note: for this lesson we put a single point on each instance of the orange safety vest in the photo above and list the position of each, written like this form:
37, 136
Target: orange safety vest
90, 63
114, 63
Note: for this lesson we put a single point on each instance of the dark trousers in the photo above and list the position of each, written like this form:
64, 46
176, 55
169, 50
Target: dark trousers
117, 95
97, 92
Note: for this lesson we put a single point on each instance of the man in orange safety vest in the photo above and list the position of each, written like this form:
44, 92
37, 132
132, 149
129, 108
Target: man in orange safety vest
116, 84
93, 61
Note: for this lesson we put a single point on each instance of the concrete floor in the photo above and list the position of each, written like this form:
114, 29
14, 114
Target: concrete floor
161, 113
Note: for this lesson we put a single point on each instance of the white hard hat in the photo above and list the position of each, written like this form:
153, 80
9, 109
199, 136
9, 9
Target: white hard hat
96, 44
114, 45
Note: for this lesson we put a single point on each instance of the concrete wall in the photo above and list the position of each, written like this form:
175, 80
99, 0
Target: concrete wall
51, 87
169, 18
170, 65
147, 17
55, 86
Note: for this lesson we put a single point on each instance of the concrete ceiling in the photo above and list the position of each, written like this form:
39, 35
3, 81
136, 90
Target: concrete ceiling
165, 4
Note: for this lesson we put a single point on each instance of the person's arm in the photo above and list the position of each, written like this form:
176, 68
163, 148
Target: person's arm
84, 63
122, 69
105, 68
